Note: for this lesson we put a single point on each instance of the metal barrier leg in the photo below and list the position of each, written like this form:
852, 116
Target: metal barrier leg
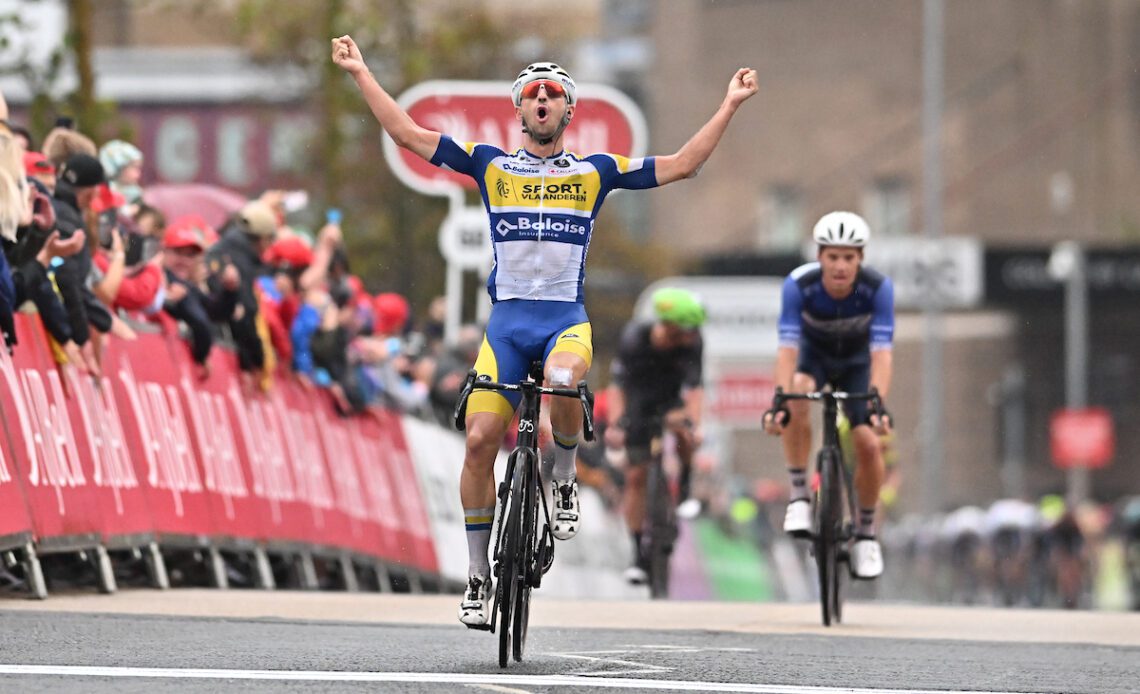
218, 569
105, 573
383, 578
307, 571
348, 571
37, 586
264, 570
415, 582
156, 567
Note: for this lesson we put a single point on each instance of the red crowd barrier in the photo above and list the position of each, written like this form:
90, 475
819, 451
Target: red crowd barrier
149, 449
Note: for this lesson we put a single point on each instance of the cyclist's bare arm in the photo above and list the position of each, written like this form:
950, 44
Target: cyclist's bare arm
691, 157
615, 402
882, 368
395, 121
694, 405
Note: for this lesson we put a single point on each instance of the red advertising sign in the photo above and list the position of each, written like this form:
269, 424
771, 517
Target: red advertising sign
742, 396
1082, 438
14, 518
605, 120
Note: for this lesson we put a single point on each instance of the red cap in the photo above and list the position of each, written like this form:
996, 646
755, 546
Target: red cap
37, 163
391, 312
356, 285
106, 199
290, 252
188, 230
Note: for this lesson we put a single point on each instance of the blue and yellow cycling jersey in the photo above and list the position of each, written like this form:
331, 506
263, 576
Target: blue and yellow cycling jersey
838, 329
542, 212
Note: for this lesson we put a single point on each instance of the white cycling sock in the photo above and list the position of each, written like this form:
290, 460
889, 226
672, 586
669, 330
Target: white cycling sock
478, 522
565, 455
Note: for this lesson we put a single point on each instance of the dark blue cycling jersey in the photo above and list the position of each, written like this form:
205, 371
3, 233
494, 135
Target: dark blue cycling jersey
837, 329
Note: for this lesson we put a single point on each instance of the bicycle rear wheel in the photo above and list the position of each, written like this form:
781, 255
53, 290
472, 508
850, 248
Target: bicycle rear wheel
828, 527
527, 486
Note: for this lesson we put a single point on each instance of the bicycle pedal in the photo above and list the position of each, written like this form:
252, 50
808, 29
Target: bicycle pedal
801, 535
481, 627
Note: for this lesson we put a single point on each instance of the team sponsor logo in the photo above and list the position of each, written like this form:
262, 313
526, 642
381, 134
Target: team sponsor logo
570, 192
519, 169
527, 226
561, 163
486, 378
502, 188
570, 336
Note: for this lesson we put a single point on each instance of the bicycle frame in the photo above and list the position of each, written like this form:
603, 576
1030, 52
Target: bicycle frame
832, 530
520, 558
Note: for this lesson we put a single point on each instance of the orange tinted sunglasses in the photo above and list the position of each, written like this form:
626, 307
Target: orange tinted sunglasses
553, 89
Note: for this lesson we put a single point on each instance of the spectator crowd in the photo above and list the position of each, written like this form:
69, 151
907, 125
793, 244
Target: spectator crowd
82, 245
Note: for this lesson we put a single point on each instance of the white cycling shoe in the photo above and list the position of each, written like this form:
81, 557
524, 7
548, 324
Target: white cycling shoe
636, 576
474, 610
866, 558
797, 519
567, 514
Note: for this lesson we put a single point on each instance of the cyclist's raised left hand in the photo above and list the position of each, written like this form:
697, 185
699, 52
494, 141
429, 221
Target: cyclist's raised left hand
743, 85
346, 55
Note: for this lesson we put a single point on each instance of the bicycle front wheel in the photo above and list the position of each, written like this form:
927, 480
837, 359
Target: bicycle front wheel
527, 507
662, 526
510, 565
828, 533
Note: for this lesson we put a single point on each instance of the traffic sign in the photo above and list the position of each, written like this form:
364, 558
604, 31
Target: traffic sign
605, 120
1082, 437
944, 272
464, 238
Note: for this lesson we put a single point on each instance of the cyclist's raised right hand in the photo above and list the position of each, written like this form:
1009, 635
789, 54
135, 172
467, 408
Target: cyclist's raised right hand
346, 55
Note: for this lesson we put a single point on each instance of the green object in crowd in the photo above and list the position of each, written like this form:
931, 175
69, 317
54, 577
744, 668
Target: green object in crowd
734, 566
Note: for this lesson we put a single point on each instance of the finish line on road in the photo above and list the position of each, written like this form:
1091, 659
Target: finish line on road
458, 678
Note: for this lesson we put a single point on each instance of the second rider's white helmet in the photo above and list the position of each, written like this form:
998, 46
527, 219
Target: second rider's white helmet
544, 71
841, 229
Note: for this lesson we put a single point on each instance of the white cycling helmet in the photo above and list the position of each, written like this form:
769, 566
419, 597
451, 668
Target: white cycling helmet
544, 71
841, 229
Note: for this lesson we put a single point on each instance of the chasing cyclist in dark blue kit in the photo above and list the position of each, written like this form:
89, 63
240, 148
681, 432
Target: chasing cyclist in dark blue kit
836, 326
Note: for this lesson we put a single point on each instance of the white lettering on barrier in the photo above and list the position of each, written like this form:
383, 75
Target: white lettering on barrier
407, 489
8, 372
55, 461
381, 504
105, 438
304, 453
346, 481
271, 478
165, 439
5, 475
216, 445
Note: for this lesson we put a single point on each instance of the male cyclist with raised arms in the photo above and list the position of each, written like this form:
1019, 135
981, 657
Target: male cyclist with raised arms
542, 203
837, 321
655, 383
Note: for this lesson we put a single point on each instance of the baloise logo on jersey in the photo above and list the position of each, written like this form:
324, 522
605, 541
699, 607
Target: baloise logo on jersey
555, 228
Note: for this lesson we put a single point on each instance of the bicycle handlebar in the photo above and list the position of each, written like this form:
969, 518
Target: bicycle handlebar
872, 396
582, 393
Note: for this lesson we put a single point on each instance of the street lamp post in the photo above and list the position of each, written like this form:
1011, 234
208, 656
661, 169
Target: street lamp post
1067, 264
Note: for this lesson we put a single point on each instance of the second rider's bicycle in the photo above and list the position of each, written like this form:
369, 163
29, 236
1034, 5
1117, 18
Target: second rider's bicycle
833, 506
523, 552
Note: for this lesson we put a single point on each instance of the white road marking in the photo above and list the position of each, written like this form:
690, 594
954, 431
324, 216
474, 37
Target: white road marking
457, 678
497, 688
